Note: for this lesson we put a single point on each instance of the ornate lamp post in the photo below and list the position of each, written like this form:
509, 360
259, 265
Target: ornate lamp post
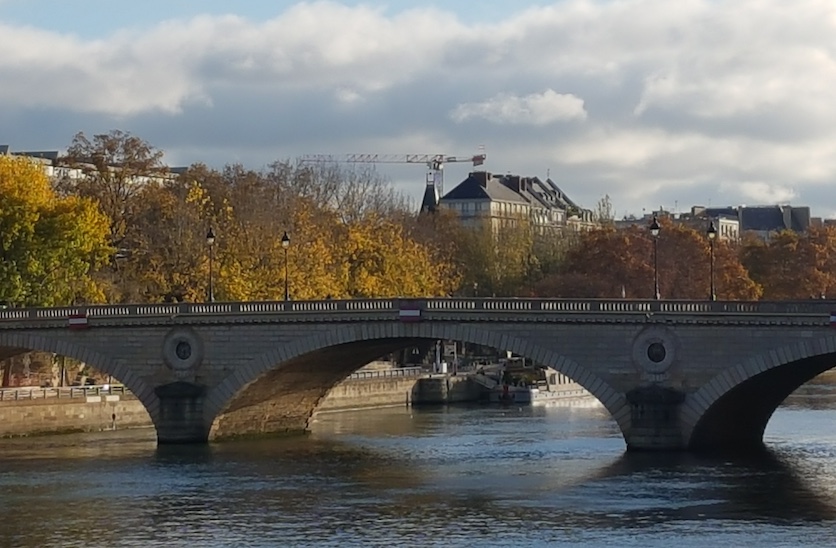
712, 235
285, 245
654, 231
210, 241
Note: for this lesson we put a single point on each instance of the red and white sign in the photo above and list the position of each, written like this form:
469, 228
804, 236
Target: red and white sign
78, 321
410, 312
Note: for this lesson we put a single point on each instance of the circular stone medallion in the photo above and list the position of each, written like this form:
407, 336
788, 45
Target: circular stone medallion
182, 349
654, 349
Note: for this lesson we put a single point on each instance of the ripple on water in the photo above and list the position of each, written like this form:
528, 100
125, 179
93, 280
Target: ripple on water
437, 477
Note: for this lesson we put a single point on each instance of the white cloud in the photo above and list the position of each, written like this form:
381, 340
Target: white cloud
347, 96
760, 192
537, 109
691, 100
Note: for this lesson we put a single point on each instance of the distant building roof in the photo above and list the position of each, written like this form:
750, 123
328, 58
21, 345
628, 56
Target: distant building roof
43, 154
481, 185
766, 218
429, 203
561, 195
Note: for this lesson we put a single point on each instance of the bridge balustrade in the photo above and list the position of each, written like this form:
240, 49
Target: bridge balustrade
451, 305
148, 310
566, 306
375, 304
688, 307
262, 307
504, 304
313, 306
487, 305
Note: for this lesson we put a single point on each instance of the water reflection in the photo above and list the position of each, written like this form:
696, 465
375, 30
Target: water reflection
432, 477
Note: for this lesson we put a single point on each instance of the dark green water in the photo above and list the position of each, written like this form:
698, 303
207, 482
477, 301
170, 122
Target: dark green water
477, 476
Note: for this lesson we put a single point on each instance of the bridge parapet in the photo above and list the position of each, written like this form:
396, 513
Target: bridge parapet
337, 310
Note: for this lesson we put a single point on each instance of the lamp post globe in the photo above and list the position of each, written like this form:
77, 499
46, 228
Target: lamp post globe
711, 232
655, 228
285, 246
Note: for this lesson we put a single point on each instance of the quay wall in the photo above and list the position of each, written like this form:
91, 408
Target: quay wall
43, 416
441, 389
364, 393
62, 416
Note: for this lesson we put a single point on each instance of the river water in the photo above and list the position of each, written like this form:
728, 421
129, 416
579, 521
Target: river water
457, 476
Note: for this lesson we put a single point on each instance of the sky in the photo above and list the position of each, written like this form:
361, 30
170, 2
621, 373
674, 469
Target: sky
650, 102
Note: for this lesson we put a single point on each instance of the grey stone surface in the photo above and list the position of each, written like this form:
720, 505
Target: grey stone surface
267, 371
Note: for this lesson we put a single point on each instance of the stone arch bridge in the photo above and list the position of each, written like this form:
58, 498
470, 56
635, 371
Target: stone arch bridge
674, 375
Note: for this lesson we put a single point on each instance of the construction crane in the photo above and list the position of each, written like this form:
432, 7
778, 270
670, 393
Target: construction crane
434, 162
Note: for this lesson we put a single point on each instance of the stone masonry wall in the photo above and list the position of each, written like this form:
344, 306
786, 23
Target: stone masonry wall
53, 416
360, 393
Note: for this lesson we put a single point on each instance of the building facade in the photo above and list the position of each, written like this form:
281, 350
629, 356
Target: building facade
502, 200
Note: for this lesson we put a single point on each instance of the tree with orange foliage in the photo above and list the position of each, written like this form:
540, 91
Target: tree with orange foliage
792, 265
610, 263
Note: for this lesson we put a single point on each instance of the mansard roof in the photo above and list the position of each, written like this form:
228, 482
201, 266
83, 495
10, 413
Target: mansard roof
481, 185
767, 218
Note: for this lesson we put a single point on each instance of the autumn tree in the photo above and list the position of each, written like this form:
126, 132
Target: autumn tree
498, 256
378, 259
165, 256
115, 166
610, 263
355, 250
792, 265
48, 245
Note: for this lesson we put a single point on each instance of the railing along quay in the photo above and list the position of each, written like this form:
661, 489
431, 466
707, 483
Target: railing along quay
68, 392
71, 392
335, 309
397, 372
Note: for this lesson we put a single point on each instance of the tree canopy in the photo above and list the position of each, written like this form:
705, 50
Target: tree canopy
610, 263
49, 245
128, 230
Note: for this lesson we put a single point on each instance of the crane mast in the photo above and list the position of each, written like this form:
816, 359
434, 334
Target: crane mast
434, 162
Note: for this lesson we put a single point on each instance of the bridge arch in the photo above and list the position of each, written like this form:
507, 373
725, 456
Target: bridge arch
32, 342
731, 411
387, 337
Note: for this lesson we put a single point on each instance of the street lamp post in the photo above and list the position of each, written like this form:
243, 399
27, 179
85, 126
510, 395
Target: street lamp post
285, 245
712, 235
210, 241
654, 231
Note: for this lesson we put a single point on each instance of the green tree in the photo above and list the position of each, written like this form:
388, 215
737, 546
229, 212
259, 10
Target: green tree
48, 245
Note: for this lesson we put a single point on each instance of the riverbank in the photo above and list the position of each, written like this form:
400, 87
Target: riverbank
38, 411
49, 416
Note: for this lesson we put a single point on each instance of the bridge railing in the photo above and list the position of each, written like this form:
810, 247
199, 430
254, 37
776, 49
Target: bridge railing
397, 372
334, 308
66, 392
